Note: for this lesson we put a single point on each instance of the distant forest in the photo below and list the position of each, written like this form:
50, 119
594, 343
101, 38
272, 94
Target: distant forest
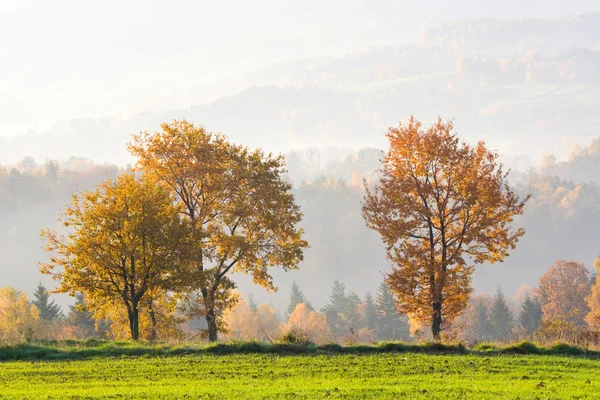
559, 219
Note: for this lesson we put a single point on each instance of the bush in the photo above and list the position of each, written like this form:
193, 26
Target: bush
521, 348
295, 336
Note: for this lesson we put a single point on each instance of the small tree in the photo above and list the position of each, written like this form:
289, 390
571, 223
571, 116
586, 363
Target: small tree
501, 318
352, 314
563, 291
390, 324
439, 204
369, 313
19, 319
308, 323
82, 319
125, 245
336, 308
252, 303
479, 327
593, 301
49, 310
530, 315
297, 297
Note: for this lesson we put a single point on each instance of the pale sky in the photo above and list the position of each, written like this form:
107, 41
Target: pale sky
66, 59
70, 58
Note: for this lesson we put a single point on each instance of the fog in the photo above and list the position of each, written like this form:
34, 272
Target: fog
319, 82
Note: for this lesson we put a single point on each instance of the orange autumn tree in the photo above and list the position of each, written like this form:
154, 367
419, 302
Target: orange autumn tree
593, 301
241, 214
124, 244
563, 290
440, 206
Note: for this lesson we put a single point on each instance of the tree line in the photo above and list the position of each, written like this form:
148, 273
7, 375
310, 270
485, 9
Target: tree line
197, 208
563, 307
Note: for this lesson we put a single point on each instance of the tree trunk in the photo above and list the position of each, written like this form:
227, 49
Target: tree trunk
154, 323
211, 320
134, 323
436, 320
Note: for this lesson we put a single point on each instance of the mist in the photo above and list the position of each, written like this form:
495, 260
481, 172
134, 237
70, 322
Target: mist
78, 79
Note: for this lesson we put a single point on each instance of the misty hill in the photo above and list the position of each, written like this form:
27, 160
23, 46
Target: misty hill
528, 87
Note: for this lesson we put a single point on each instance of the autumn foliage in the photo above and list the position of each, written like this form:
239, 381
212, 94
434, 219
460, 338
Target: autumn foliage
440, 206
563, 290
240, 212
123, 247
593, 301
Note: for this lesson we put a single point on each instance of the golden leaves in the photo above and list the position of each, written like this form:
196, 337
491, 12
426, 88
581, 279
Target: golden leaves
439, 204
241, 212
125, 240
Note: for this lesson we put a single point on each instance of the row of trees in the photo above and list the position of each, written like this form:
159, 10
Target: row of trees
200, 208
565, 306
22, 319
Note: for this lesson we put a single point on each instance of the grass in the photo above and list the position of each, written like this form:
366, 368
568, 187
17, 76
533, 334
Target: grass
79, 350
99, 369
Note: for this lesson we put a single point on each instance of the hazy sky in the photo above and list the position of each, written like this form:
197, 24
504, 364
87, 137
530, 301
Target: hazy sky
70, 58
66, 58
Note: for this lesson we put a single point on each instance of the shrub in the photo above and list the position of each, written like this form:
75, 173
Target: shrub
295, 336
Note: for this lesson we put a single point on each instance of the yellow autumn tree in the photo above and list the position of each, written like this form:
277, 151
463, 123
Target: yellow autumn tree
593, 301
19, 319
124, 244
563, 290
245, 323
239, 208
311, 323
440, 206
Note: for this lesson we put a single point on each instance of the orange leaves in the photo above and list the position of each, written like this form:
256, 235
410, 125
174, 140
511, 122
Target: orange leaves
563, 290
593, 301
439, 204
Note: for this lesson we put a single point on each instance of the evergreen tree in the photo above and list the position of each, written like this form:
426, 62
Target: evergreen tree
480, 327
351, 314
336, 308
501, 317
390, 324
297, 297
370, 313
81, 318
252, 303
49, 310
531, 314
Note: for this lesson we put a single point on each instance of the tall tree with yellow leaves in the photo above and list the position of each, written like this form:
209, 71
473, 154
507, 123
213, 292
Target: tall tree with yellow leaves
439, 206
125, 243
593, 301
19, 319
240, 210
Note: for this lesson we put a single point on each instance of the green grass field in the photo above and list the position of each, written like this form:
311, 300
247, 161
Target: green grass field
314, 374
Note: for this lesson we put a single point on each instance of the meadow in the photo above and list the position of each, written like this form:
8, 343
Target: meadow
254, 370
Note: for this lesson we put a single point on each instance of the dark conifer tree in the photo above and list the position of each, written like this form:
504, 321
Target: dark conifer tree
370, 313
390, 324
351, 314
252, 303
501, 317
49, 310
531, 314
335, 309
480, 328
80, 317
297, 297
